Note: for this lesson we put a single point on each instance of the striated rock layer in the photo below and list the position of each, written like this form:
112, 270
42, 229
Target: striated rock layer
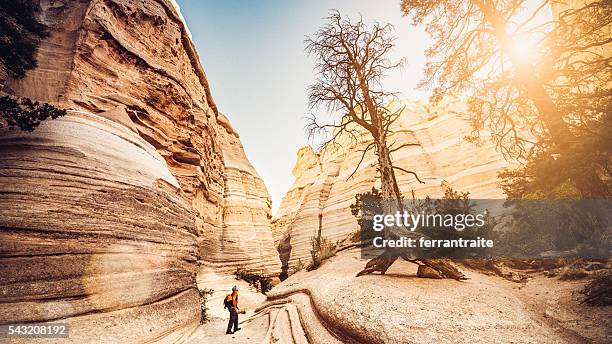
105, 213
322, 192
244, 239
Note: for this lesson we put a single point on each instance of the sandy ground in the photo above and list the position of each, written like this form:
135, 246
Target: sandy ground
557, 304
331, 305
222, 285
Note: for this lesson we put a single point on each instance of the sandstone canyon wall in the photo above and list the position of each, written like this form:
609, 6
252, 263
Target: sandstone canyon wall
322, 193
106, 212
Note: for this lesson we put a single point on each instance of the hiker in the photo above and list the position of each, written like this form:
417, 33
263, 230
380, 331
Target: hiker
231, 303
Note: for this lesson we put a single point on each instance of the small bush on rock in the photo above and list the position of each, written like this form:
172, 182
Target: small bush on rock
205, 295
299, 266
322, 249
365, 207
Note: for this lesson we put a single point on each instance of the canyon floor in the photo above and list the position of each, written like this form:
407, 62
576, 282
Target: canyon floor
331, 305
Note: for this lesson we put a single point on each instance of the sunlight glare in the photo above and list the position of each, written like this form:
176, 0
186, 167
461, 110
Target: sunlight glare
523, 48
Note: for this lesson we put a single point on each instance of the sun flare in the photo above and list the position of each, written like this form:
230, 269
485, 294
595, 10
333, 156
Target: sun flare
523, 48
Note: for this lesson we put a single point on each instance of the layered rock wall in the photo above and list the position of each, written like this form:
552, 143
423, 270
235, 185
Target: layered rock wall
105, 213
244, 239
323, 192
94, 232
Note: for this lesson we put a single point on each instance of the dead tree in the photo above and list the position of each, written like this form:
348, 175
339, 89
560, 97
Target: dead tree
351, 62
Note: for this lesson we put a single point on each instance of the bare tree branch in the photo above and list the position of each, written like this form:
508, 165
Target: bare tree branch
410, 172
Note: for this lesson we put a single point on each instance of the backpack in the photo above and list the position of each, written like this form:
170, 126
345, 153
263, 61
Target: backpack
227, 301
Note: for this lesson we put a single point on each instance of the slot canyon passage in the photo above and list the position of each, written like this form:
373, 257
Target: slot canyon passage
115, 215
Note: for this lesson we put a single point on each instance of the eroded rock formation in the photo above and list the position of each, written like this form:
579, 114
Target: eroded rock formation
322, 192
244, 240
104, 213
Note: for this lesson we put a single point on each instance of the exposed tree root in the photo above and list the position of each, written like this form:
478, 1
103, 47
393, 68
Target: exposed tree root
446, 269
380, 263
386, 259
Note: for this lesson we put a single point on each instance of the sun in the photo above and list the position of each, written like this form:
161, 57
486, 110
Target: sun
522, 49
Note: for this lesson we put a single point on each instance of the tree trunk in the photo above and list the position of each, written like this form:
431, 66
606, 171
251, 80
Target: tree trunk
387, 175
392, 202
391, 196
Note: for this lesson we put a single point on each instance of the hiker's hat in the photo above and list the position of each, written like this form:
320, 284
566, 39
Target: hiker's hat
234, 288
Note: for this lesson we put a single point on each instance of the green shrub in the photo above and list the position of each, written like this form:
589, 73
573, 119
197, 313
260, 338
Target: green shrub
205, 295
322, 249
570, 226
20, 36
261, 283
26, 113
365, 207
299, 266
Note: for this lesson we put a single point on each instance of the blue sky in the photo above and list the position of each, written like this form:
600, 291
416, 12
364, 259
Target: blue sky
253, 55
